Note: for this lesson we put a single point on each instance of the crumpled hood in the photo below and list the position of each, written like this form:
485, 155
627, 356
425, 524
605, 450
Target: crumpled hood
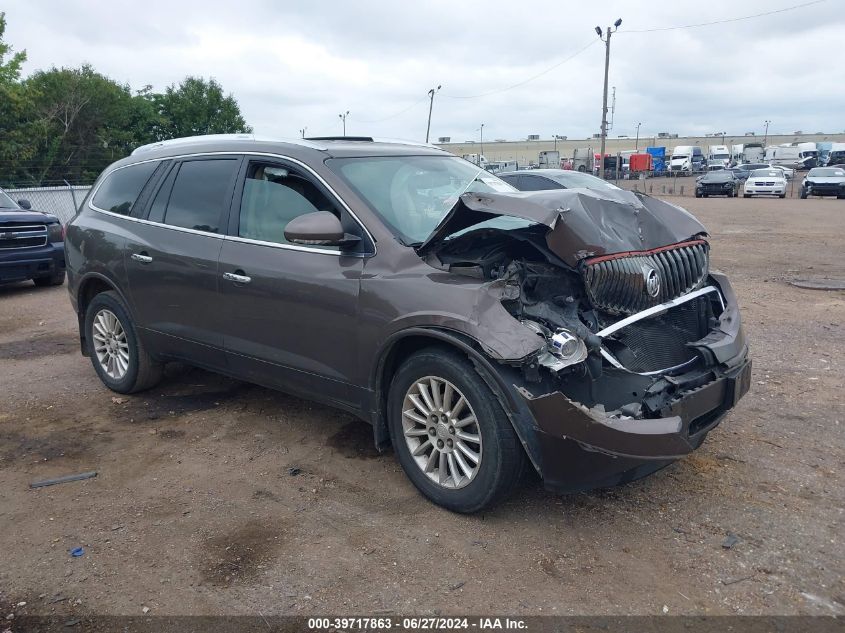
583, 222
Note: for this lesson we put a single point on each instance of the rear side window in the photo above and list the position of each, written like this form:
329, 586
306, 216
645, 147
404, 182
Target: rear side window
122, 187
200, 194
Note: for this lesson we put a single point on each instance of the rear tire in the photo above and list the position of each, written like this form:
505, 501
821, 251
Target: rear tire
118, 355
453, 481
53, 280
746, 195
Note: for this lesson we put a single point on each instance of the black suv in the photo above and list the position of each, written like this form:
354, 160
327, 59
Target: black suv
31, 244
479, 329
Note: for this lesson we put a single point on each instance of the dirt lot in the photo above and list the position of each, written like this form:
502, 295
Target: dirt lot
217, 497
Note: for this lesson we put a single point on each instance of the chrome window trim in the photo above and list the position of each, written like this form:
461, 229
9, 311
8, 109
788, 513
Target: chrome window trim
236, 238
650, 312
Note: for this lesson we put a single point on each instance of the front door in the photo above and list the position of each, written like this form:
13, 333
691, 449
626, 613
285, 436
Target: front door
171, 260
290, 310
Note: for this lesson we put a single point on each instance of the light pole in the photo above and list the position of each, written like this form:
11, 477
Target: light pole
637, 141
606, 41
766, 134
302, 131
481, 139
430, 106
558, 137
343, 118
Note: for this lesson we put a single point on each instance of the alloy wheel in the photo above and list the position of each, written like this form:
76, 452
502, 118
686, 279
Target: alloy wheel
110, 344
441, 432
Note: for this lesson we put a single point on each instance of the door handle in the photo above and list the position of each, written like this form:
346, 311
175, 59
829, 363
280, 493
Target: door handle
238, 279
144, 259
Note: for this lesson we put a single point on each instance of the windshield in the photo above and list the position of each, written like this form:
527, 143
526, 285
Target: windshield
826, 171
767, 173
718, 176
6, 202
411, 194
680, 156
721, 156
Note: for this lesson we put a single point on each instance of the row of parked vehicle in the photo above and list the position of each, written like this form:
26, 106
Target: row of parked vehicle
770, 180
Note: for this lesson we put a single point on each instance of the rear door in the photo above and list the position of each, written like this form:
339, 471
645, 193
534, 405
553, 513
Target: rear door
291, 311
171, 259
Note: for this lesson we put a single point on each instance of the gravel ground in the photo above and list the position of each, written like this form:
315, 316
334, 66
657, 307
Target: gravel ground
219, 497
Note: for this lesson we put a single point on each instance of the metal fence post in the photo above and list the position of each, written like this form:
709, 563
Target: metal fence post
72, 196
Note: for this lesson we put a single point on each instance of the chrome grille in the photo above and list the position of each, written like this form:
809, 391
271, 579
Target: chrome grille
22, 235
618, 284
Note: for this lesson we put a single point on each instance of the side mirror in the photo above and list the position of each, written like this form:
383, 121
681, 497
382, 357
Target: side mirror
320, 228
25, 204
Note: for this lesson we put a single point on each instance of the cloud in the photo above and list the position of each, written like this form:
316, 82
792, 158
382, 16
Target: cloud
298, 64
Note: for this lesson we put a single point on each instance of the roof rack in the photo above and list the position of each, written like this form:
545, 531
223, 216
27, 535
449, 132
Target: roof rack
365, 139
195, 140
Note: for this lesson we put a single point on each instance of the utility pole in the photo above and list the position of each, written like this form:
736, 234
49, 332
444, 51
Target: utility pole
343, 118
430, 106
606, 41
766, 135
637, 141
481, 155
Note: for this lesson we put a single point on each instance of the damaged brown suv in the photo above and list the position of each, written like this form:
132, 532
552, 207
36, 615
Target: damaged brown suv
480, 330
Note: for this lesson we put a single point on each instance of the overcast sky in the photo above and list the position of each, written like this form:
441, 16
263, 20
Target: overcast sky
294, 64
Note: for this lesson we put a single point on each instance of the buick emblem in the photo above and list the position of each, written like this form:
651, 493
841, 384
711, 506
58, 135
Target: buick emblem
652, 281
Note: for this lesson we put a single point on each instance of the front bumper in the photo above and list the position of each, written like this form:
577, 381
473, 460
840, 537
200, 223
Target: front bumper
825, 190
764, 191
21, 264
579, 448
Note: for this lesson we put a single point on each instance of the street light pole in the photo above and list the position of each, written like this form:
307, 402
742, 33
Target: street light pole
766, 135
606, 41
343, 118
302, 131
481, 155
637, 142
430, 106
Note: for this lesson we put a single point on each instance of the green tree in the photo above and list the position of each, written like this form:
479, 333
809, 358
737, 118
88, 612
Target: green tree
15, 107
82, 121
197, 107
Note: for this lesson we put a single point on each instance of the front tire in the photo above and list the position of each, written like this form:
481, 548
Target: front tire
118, 355
746, 195
450, 433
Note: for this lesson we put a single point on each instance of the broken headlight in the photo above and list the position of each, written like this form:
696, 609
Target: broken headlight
563, 348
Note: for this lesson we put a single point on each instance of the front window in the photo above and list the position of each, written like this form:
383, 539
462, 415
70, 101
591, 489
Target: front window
766, 173
826, 172
6, 202
412, 194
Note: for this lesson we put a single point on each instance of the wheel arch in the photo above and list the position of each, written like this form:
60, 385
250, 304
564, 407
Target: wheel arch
89, 287
406, 342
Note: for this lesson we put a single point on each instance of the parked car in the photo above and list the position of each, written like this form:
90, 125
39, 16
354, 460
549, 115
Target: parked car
765, 182
547, 179
786, 171
740, 172
824, 181
480, 330
31, 244
717, 183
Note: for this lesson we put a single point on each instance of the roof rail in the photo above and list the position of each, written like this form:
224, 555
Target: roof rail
195, 140
366, 139
372, 139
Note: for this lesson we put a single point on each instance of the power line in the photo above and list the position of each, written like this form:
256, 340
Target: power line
530, 79
393, 116
725, 21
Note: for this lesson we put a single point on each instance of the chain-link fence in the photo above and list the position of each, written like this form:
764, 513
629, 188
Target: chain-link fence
61, 201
